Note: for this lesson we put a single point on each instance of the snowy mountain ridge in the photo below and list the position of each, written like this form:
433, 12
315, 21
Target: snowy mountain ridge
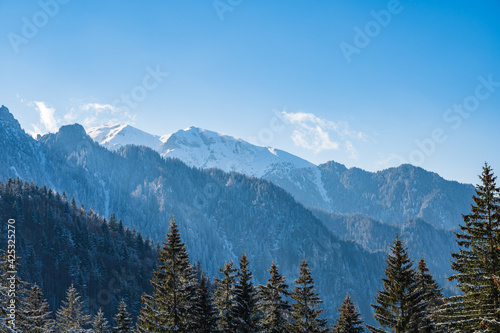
391, 196
204, 149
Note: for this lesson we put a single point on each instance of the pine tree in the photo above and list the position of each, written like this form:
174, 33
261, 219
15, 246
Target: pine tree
71, 317
349, 318
205, 312
100, 323
246, 299
224, 299
305, 316
477, 263
171, 308
400, 304
122, 319
432, 298
38, 317
273, 304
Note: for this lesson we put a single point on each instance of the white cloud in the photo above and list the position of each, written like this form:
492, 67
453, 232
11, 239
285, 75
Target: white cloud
47, 117
353, 152
87, 114
94, 114
318, 135
392, 160
314, 139
98, 107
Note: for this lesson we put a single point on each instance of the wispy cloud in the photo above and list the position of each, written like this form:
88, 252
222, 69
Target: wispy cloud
48, 121
95, 114
99, 107
87, 114
318, 135
353, 153
391, 160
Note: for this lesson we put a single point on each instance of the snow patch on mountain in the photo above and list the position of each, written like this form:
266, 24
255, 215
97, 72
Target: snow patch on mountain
320, 186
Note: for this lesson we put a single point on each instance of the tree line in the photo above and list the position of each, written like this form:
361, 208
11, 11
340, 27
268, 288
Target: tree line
185, 300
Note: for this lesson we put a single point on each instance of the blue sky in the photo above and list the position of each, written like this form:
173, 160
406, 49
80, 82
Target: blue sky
369, 84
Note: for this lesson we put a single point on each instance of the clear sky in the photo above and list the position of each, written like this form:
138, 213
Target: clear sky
369, 84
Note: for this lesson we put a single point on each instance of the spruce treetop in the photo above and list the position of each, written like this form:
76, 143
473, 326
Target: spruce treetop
400, 303
71, 316
349, 320
305, 315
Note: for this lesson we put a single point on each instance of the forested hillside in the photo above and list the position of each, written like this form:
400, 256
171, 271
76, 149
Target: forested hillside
420, 237
61, 244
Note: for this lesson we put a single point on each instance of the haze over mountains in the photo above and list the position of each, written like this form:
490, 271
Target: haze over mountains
229, 195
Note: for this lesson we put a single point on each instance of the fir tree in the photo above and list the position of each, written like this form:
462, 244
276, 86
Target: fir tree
73, 203
122, 319
71, 317
38, 317
246, 299
477, 263
432, 298
399, 304
275, 309
171, 308
349, 318
113, 224
305, 316
100, 323
205, 312
224, 299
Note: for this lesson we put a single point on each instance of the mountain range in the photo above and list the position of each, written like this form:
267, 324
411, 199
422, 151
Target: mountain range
230, 196
391, 196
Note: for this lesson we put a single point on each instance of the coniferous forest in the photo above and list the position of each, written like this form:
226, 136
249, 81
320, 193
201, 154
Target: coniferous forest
78, 272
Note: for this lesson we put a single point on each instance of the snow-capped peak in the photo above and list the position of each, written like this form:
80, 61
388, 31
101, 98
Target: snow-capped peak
207, 149
115, 136
203, 148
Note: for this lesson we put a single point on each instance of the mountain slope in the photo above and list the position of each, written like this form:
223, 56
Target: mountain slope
60, 244
20, 155
397, 194
420, 237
